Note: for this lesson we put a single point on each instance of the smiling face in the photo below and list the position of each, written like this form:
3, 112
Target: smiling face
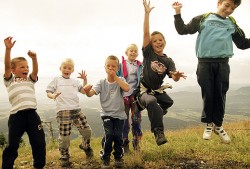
132, 52
19, 67
158, 43
226, 7
67, 69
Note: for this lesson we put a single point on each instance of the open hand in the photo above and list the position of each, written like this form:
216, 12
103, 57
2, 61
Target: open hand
147, 7
8, 42
82, 75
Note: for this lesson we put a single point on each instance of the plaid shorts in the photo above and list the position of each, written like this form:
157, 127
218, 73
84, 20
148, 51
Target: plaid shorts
66, 118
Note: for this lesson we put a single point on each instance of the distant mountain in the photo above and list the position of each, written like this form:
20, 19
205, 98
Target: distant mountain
186, 111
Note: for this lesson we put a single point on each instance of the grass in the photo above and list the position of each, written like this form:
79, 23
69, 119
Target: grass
185, 149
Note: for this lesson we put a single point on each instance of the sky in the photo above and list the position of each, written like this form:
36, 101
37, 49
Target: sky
89, 30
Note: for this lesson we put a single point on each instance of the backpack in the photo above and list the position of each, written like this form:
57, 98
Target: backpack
205, 15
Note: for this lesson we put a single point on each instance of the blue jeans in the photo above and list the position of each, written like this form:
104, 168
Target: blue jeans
112, 135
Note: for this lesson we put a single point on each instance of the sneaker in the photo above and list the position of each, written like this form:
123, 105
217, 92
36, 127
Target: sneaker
119, 163
160, 136
125, 146
88, 151
106, 164
64, 162
165, 111
136, 145
208, 131
223, 134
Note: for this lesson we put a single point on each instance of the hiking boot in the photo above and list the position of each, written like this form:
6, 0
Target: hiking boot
119, 163
88, 151
208, 131
223, 134
106, 164
159, 136
65, 162
136, 145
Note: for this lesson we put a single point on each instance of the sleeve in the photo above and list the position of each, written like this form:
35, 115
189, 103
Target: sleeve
147, 51
32, 80
97, 87
171, 67
51, 86
8, 81
190, 28
240, 40
79, 85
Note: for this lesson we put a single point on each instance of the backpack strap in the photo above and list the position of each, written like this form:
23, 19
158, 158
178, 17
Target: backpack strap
236, 26
204, 16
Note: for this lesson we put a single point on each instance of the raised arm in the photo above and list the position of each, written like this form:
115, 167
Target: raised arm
86, 88
7, 65
83, 76
177, 6
182, 28
146, 32
34, 72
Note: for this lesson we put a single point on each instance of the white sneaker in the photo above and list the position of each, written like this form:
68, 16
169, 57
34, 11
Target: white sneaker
223, 134
208, 131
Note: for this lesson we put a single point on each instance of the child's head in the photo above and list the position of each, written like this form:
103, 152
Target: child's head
132, 52
112, 63
67, 67
158, 42
227, 7
20, 67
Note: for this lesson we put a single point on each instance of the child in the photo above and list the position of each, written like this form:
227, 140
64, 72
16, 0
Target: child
113, 115
156, 65
213, 49
130, 69
64, 89
23, 116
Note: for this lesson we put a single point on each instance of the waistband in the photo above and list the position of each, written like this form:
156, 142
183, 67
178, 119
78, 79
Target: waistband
213, 59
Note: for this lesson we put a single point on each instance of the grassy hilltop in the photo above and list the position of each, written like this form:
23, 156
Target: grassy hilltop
185, 150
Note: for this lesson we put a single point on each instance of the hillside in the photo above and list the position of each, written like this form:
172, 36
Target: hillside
185, 112
185, 150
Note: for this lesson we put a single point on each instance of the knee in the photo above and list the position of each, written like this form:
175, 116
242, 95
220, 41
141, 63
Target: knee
151, 100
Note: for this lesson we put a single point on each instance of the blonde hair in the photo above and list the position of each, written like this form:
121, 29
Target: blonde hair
112, 57
68, 61
131, 46
15, 60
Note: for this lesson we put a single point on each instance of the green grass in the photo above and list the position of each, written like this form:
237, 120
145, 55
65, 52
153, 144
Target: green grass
185, 149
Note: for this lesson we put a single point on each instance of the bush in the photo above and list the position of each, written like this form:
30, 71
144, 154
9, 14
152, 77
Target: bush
3, 141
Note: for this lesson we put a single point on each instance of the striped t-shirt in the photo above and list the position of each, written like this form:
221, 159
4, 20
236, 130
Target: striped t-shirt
21, 93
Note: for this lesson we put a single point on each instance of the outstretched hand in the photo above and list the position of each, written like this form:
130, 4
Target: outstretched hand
147, 7
177, 5
177, 75
87, 88
55, 95
8, 42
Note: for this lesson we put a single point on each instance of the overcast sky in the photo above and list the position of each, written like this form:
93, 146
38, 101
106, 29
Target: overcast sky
89, 30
